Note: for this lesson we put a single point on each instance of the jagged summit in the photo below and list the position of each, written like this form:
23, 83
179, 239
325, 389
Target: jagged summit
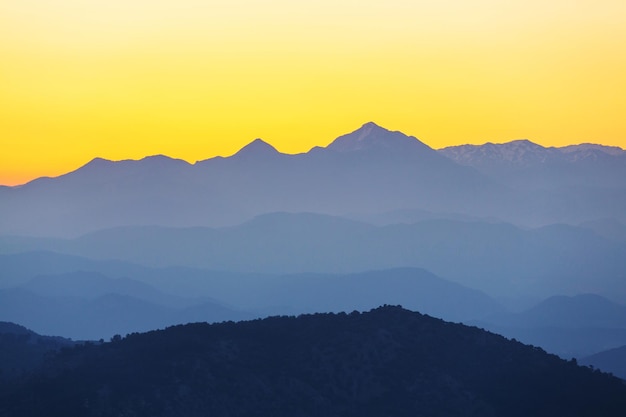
521, 151
257, 147
373, 136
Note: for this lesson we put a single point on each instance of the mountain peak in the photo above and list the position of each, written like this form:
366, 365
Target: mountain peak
372, 125
373, 136
95, 165
257, 147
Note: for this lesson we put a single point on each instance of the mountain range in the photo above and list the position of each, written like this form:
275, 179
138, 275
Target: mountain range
83, 299
371, 170
516, 238
86, 304
497, 258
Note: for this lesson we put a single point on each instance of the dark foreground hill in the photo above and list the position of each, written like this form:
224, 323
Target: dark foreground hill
389, 361
22, 350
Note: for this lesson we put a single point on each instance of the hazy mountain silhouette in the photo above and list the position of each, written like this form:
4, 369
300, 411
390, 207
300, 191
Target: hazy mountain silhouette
308, 293
202, 295
101, 192
19, 268
410, 216
497, 258
583, 310
83, 318
568, 326
371, 170
80, 318
92, 285
609, 228
386, 362
612, 360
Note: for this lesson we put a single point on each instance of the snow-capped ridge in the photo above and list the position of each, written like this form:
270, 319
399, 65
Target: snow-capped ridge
611, 150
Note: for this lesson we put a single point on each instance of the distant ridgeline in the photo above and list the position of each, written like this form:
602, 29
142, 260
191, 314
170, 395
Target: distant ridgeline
369, 171
387, 362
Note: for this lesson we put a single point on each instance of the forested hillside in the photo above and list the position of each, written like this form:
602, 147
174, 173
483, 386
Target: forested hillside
389, 361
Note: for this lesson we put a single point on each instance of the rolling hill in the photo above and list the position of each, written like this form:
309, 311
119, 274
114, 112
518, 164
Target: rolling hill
388, 361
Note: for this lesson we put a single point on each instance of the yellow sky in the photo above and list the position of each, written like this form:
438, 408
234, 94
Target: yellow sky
197, 78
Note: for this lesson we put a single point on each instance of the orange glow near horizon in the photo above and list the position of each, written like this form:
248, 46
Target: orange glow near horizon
193, 79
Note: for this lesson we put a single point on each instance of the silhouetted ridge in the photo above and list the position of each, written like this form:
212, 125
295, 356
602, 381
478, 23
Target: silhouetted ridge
371, 170
97, 163
164, 160
389, 361
98, 166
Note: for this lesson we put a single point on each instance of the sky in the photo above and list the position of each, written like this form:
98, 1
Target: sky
192, 79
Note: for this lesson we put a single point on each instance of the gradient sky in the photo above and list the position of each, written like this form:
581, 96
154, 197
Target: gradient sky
197, 78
